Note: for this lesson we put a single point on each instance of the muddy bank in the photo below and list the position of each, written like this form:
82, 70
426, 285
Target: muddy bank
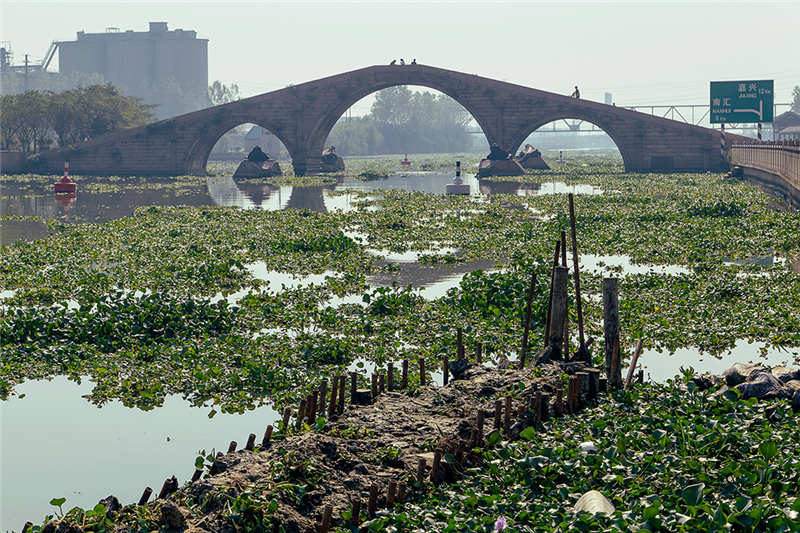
386, 448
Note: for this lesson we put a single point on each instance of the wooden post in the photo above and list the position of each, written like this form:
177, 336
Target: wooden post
196, 474
390, 376
557, 311
507, 418
422, 379
341, 394
170, 485
353, 387
437, 459
381, 383
267, 437
571, 395
550, 297
537, 407
251, 442
325, 525
583, 383
611, 329
445, 371
544, 406
594, 382
323, 395
401, 493
232, 446
479, 423
420, 471
558, 406
527, 325
145, 495
300, 414
374, 387
390, 492
311, 412
373, 500
635, 360
566, 315
498, 406
285, 422
640, 376
578, 305
355, 515
404, 379
332, 402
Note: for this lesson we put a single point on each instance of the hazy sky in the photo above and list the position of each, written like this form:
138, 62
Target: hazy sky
643, 52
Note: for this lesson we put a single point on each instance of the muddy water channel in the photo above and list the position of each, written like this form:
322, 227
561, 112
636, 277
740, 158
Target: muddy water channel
55, 443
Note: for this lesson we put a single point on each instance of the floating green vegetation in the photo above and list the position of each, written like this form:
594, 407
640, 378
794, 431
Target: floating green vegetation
274, 346
668, 459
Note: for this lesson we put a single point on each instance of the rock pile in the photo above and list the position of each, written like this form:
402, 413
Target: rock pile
756, 381
330, 161
530, 157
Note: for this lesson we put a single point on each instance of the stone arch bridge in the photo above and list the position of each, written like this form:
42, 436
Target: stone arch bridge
302, 116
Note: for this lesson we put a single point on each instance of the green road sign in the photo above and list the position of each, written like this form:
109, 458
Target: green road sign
741, 101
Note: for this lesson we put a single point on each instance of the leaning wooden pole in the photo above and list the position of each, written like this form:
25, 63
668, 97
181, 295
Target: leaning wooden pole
526, 329
635, 360
550, 298
578, 306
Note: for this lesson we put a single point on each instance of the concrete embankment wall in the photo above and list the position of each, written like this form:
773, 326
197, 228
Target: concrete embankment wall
774, 184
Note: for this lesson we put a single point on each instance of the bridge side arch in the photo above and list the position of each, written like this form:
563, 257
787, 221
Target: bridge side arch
200, 149
624, 141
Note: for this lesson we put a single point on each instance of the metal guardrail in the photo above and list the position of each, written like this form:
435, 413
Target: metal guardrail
781, 158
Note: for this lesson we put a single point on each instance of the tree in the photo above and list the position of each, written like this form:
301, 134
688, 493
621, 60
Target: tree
796, 99
32, 119
219, 93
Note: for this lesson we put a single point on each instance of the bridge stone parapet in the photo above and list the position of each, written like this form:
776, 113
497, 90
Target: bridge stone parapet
302, 116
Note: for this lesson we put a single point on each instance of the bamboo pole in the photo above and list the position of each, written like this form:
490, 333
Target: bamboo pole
578, 304
527, 325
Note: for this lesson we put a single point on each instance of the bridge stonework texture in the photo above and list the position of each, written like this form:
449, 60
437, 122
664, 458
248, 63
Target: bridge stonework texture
302, 116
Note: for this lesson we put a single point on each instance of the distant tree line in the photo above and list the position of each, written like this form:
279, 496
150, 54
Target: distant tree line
34, 120
405, 121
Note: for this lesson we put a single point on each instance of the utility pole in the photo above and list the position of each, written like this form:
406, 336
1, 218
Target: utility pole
26, 72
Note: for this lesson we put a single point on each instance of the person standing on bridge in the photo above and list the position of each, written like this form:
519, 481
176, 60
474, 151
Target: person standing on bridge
414, 62
402, 61
576, 93
393, 62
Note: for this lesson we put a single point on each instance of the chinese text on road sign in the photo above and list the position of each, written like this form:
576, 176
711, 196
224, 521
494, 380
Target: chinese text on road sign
741, 101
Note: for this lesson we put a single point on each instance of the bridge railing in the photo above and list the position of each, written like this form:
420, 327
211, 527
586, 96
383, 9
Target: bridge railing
776, 157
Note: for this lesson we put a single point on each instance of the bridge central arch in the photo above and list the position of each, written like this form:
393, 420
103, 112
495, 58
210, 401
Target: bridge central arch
326, 123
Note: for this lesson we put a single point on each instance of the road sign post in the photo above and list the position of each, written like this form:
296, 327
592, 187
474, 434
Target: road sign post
742, 101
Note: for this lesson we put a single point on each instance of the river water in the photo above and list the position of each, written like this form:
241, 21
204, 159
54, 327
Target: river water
57, 444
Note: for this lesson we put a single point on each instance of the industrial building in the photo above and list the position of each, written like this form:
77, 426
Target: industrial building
167, 68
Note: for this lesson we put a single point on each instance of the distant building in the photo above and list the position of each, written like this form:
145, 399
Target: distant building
609, 98
787, 126
163, 67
